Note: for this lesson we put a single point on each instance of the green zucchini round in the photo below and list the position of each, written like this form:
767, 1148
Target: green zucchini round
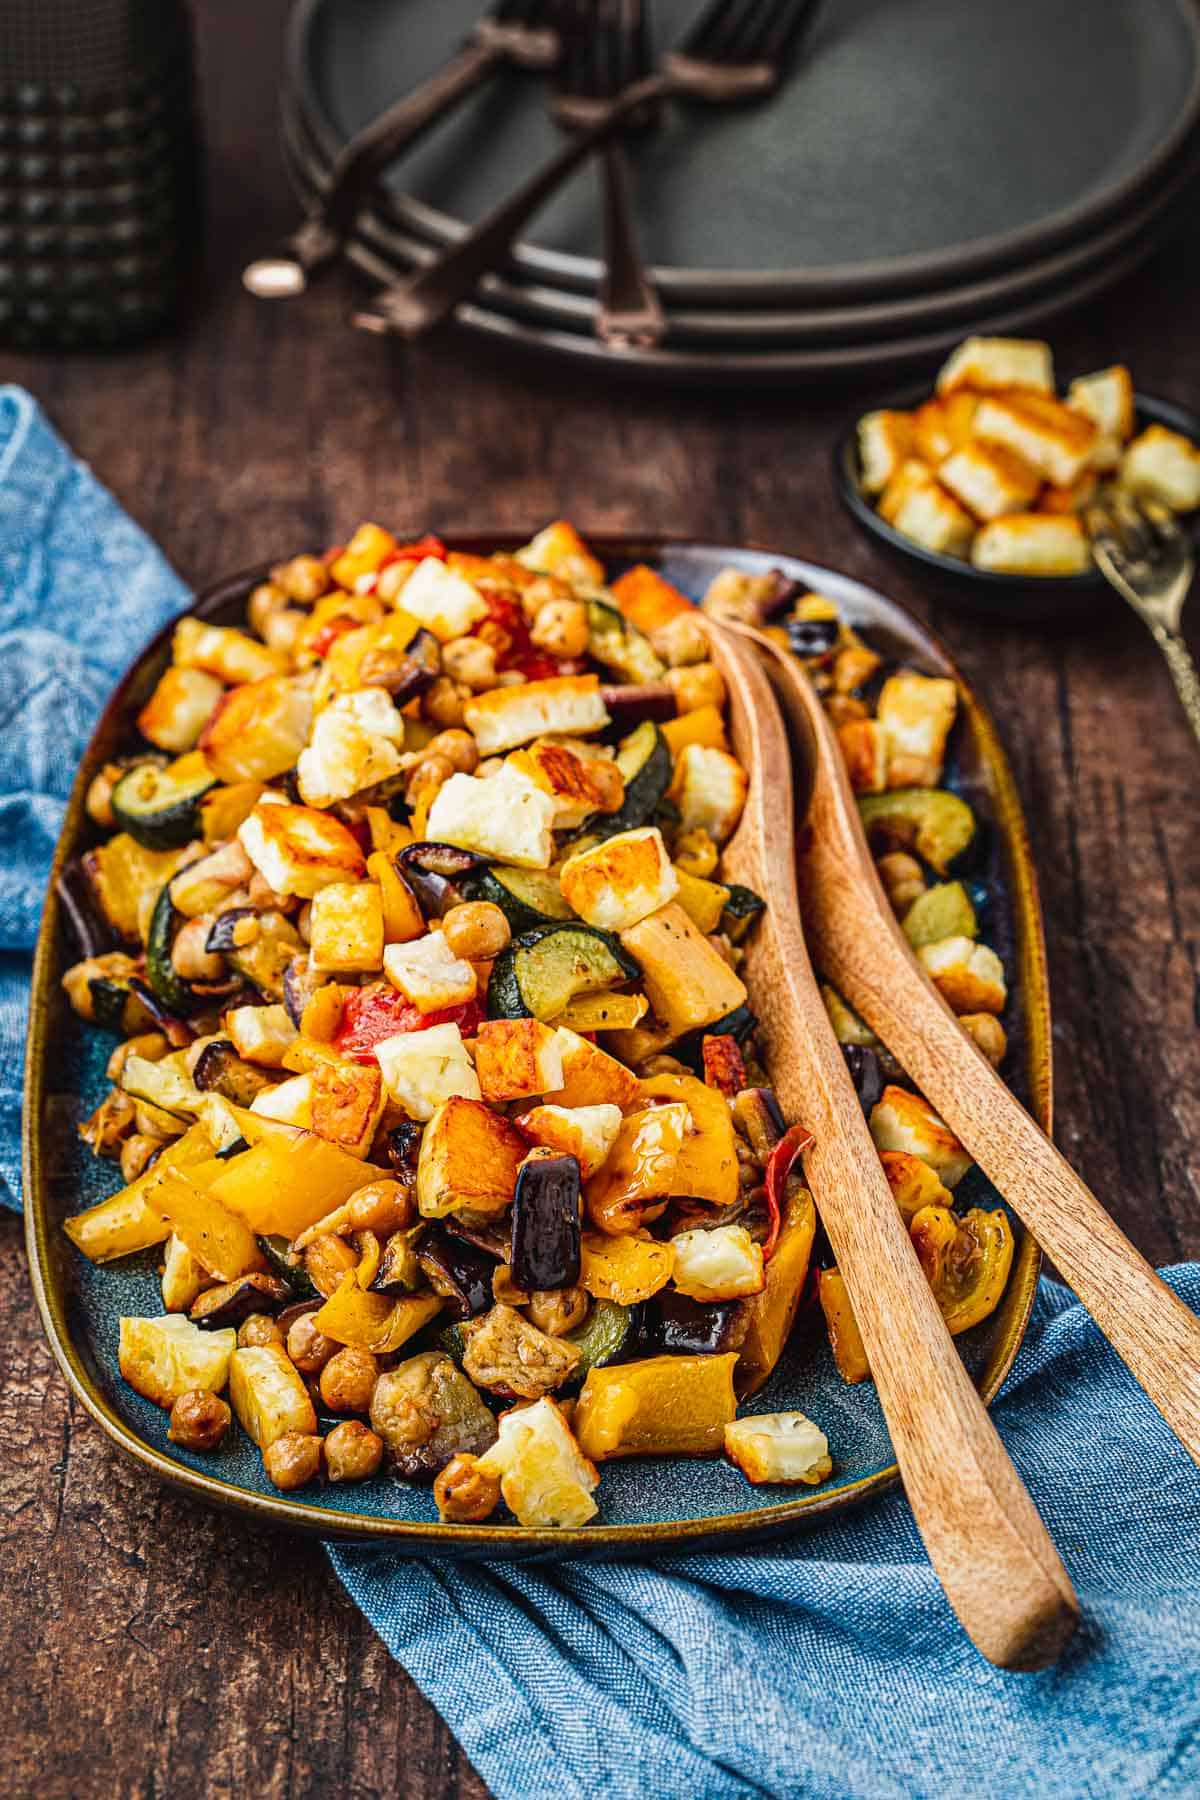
543, 970
157, 808
527, 897
165, 984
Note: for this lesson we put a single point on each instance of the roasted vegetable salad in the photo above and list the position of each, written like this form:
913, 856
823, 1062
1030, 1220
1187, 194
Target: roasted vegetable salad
438, 1090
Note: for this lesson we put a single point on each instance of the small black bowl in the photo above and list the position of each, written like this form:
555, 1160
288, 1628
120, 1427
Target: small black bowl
1020, 599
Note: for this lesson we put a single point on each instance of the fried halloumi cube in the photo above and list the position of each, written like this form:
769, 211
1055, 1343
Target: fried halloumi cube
901, 1120
940, 427
989, 480
444, 601
968, 976
865, 749
268, 1394
517, 1058
783, 1446
581, 779
591, 1077
164, 1358
722, 1264
1047, 435
346, 932
179, 708
1106, 398
1163, 465
545, 1478
347, 1103
916, 505
587, 1133
991, 364
559, 550
427, 972
885, 439
567, 705
355, 744
299, 851
916, 713
421, 1069
913, 1183
260, 1034
709, 787
1032, 544
221, 651
688, 982
503, 815
257, 731
290, 1103
617, 882
469, 1160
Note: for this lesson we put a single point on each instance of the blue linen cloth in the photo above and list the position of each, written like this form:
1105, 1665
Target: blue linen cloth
825, 1665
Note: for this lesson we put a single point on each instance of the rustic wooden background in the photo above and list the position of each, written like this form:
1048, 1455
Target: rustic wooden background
154, 1647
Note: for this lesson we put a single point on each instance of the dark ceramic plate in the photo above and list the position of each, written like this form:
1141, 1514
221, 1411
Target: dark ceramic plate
719, 366
913, 145
1021, 599
753, 326
644, 1504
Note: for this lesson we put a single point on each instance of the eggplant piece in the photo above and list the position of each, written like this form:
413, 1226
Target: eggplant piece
221, 938
740, 911
426, 1411
811, 637
289, 1269
757, 1115
432, 872
299, 986
403, 1150
92, 932
740, 1024
115, 1006
220, 1070
177, 1031
264, 961
490, 1236
545, 1222
234, 1301
234, 1148
456, 1270
399, 1272
866, 1074
692, 1328
404, 674
635, 702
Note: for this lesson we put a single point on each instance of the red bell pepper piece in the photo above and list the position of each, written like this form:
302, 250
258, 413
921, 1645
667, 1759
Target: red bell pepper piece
374, 1013
329, 634
417, 551
792, 1144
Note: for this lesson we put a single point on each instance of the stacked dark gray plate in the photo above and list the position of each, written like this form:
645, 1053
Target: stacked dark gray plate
930, 169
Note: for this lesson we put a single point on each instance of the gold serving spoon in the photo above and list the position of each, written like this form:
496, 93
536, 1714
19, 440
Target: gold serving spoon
988, 1546
860, 947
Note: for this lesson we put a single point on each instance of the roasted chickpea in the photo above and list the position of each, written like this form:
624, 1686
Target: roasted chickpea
427, 779
505, 1291
309, 1348
442, 703
282, 630
263, 898
458, 748
266, 600
988, 1033
681, 641
326, 1260
99, 796
189, 958
469, 660
259, 1328
352, 1451
348, 1381
561, 628
199, 1420
558, 1310
476, 930
393, 578
903, 879
293, 1459
464, 1492
304, 578
136, 1152
152, 1046
695, 853
382, 1206
699, 684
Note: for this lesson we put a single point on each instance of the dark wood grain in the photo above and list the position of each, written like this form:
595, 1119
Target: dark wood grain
156, 1648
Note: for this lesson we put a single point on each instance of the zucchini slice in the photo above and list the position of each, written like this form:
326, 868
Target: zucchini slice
644, 759
526, 897
740, 911
165, 984
220, 1070
110, 1001
604, 1337
543, 970
940, 912
159, 807
620, 646
935, 823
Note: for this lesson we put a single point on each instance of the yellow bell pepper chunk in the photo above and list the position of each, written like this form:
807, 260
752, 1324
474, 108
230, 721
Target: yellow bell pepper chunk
624, 1269
772, 1313
373, 1321
703, 725
665, 1406
284, 1184
707, 1166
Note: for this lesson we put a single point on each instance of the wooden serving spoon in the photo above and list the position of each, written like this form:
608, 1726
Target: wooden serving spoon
861, 948
991, 1551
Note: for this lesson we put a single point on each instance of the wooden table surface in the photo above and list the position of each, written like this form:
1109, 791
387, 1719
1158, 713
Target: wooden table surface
155, 1647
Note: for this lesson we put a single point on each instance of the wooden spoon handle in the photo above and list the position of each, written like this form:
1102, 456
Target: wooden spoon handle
992, 1553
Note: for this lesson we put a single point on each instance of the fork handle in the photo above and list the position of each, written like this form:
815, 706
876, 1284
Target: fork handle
1183, 671
413, 307
630, 312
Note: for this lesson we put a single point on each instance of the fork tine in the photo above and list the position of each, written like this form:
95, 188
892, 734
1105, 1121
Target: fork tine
1133, 528
715, 27
634, 44
747, 31
578, 74
1162, 522
792, 19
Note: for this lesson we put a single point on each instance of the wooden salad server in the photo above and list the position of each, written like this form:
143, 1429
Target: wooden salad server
860, 947
988, 1546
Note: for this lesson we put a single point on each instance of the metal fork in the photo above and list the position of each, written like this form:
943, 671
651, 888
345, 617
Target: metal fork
1142, 551
604, 50
513, 33
736, 51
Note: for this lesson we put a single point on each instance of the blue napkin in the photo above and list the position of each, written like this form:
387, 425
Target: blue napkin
828, 1664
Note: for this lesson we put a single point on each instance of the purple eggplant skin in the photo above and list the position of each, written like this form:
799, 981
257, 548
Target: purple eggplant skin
432, 870
220, 1070
93, 933
404, 677
865, 1073
691, 1328
545, 1223
632, 704
458, 1271
299, 986
234, 1301
221, 938
756, 1112
178, 1033
403, 1149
